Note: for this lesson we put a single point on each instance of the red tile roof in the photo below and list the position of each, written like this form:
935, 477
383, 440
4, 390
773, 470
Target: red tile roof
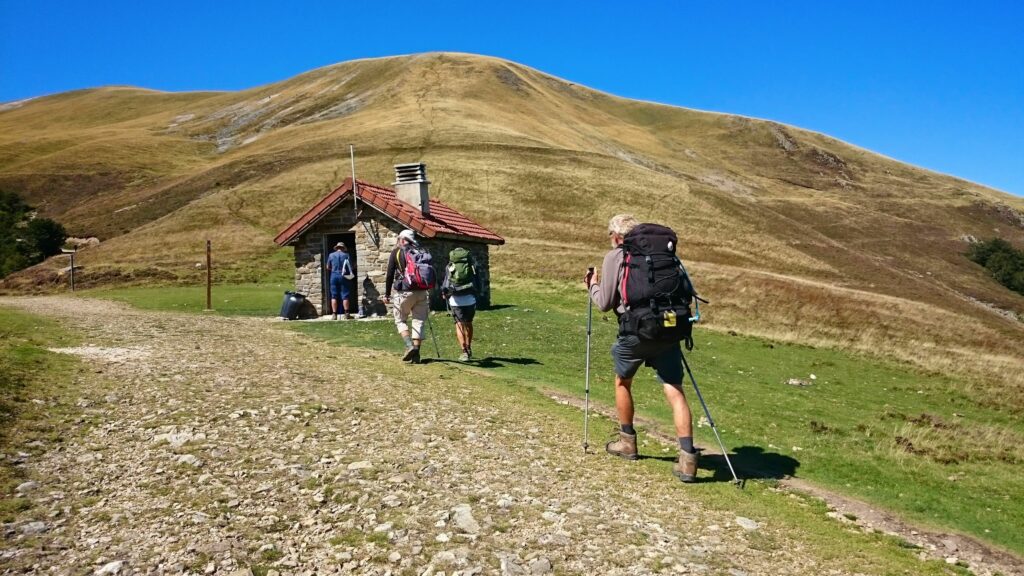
442, 222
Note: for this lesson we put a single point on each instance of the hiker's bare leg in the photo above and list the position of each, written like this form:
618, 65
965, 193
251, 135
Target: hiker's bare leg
468, 330
334, 306
624, 399
460, 334
344, 304
680, 410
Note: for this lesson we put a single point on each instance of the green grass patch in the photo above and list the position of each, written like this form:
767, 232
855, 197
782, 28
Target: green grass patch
256, 299
28, 372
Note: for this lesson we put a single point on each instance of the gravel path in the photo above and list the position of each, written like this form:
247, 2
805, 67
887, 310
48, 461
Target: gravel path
229, 445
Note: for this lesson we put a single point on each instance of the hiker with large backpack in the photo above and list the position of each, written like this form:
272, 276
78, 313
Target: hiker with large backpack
459, 290
410, 277
644, 282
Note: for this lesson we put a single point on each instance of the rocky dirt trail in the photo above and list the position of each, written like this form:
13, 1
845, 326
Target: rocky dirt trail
216, 445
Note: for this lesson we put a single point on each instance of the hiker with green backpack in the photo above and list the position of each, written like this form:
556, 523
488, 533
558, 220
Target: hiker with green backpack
459, 289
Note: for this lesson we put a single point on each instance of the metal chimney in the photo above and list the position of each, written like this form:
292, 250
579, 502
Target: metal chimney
411, 185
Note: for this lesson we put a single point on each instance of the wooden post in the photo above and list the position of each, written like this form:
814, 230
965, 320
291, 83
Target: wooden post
209, 277
73, 270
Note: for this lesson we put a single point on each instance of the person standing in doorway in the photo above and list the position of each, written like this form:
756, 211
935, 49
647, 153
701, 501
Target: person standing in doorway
410, 276
339, 265
459, 290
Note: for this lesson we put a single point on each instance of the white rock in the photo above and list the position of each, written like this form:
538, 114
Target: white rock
190, 460
443, 537
747, 523
463, 516
36, 527
362, 465
110, 568
27, 486
394, 557
952, 560
540, 566
509, 567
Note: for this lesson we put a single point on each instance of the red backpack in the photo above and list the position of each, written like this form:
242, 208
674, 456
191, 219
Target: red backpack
417, 269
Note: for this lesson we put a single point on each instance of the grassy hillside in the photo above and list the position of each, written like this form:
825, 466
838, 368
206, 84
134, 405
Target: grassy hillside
792, 234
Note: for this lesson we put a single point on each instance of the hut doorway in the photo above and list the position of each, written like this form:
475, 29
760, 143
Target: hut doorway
349, 240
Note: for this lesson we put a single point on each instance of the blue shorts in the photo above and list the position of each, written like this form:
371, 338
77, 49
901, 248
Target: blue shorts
339, 287
629, 353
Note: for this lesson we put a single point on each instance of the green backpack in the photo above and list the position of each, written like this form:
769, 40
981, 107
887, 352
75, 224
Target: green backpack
460, 271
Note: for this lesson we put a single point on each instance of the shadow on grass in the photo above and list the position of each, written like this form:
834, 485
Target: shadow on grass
500, 306
751, 463
488, 362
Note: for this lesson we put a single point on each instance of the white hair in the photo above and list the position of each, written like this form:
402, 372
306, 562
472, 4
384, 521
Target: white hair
622, 224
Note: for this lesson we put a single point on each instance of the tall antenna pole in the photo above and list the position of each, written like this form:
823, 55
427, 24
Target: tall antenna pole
355, 189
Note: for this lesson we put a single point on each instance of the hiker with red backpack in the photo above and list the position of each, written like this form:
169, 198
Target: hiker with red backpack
410, 277
645, 283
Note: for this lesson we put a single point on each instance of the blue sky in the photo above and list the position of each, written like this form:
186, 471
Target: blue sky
937, 84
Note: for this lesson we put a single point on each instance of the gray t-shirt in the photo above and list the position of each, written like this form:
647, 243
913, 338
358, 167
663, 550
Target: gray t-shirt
606, 294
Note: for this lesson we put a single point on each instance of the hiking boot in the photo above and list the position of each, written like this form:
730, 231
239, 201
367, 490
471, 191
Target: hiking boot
334, 316
348, 316
464, 357
469, 353
624, 447
409, 353
415, 359
686, 468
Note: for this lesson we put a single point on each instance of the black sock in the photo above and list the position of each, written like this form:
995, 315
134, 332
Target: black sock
686, 444
628, 429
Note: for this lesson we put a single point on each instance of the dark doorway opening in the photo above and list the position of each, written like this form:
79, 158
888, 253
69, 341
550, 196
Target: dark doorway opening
349, 240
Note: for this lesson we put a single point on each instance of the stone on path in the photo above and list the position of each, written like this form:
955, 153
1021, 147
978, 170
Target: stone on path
747, 523
110, 568
464, 520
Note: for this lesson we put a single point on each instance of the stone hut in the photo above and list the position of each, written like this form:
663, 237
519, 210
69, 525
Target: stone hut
368, 225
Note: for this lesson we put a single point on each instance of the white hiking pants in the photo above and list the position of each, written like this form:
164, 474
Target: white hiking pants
406, 304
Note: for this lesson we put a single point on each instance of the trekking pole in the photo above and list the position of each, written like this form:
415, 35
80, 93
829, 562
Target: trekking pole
434, 338
586, 401
725, 453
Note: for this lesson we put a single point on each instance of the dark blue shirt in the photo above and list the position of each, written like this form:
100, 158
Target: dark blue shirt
338, 261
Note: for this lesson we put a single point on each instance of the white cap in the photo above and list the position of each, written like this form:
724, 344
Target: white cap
408, 235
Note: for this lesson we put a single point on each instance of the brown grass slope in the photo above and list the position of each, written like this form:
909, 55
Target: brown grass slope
793, 234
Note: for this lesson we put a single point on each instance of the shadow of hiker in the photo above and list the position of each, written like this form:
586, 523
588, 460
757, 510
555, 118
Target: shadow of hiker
499, 306
496, 362
751, 463
488, 362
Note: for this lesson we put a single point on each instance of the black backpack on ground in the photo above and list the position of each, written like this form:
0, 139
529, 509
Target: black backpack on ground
655, 289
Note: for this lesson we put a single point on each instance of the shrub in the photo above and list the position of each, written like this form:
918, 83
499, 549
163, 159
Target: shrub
24, 238
1004, 262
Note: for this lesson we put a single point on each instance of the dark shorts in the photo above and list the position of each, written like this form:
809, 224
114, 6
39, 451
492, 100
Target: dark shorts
339, 287
629, 353
464, 314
